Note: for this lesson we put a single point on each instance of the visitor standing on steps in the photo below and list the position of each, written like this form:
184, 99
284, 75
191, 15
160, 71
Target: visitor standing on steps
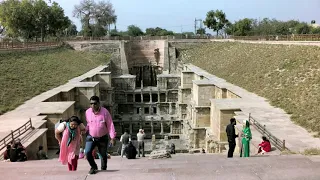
125, 139
140, 137
231, 133
99, 127
246, 137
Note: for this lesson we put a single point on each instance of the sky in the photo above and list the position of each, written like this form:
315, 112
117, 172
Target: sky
179, 15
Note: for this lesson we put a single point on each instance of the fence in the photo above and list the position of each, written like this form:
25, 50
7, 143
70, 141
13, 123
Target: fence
15, 134
35, 45
293, 37
27, 45
279, 144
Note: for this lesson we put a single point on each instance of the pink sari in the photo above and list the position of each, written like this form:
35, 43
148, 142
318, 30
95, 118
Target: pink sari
67, 153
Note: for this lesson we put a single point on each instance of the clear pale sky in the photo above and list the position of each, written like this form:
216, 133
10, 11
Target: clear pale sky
172, 14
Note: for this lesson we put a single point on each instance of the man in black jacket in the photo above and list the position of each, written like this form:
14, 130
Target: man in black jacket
231, 133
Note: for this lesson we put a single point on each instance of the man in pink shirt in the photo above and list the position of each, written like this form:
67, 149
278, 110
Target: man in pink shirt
99, 126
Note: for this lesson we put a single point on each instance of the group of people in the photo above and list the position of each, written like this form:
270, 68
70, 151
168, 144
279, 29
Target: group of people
128, 148
15, 152
246, 137
98, 129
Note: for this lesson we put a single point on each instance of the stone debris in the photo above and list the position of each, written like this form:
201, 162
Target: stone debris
160, 154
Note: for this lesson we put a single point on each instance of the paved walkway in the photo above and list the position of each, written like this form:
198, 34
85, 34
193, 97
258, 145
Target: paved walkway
182, 167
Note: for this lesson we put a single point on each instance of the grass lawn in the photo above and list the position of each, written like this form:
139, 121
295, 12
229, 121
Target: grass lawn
289, 76
24, 75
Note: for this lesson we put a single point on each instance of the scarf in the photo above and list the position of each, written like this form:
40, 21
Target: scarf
72, 134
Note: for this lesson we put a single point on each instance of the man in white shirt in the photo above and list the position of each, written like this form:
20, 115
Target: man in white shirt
140, 137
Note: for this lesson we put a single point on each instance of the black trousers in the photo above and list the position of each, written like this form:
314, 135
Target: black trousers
232, 146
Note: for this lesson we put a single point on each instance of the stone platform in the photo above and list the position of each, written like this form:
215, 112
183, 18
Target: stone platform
180, 166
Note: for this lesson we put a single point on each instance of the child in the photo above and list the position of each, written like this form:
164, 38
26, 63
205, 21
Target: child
70, 142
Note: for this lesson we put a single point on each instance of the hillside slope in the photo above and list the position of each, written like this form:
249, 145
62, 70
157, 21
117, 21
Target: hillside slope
24, 75
289, 76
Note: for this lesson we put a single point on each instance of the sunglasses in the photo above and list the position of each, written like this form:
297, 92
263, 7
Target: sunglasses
94, 103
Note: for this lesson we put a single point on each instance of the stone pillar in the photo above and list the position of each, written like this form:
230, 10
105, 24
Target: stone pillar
171, 127
134, 97
161, 127
170, 109
153, 141
150, 94
152, 127
195, 139
130, 127
158, 96
167, 96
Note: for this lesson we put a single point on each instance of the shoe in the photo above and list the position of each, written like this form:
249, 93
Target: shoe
103, 168
93, 171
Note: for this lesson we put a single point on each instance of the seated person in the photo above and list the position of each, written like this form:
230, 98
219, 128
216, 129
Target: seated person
41, 154
6, 154
173, 149
265, 146
131, 151
18, 152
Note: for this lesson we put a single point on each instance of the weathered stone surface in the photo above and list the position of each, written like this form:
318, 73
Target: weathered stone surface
181, 167
160, 154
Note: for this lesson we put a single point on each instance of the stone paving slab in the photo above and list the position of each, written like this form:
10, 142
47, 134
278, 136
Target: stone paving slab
181, 166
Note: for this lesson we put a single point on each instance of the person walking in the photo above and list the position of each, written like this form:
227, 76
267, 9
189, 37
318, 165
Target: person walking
69, 142
99, 127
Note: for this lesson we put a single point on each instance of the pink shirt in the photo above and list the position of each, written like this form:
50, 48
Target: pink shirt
100, 124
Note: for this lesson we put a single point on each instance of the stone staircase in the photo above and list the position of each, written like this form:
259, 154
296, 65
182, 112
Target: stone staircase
180, 166
256, 135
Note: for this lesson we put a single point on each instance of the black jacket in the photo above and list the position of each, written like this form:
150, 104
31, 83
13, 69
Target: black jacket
231, 133
131, 151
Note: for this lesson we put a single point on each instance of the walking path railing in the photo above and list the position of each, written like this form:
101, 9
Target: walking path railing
15, 134
278, 143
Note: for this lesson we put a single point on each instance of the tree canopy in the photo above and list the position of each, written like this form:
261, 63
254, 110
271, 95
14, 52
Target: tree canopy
216, 20
96, 17
32, 19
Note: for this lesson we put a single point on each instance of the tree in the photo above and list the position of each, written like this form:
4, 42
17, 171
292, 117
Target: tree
158, 32
216, 20
96, 18
134, 31
72, 30
243, 27
57, 21
303, 28
201, 31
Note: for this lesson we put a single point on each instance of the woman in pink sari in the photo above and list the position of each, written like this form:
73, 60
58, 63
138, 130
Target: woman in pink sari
70, 142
